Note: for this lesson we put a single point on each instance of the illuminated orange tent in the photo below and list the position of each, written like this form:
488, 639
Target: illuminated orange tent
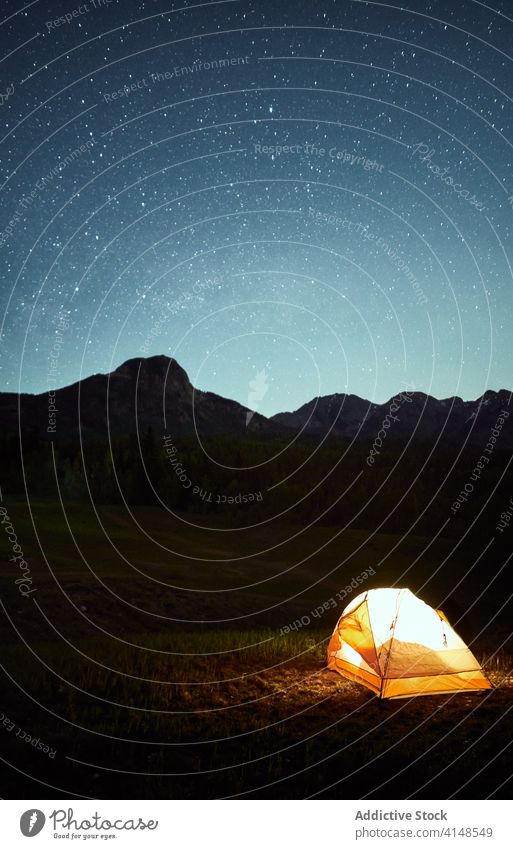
397, 646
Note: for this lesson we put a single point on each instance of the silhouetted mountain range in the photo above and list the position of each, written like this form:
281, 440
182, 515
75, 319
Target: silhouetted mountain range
156, 392
408, 415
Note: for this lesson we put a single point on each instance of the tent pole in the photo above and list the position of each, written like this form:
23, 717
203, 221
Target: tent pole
392, 634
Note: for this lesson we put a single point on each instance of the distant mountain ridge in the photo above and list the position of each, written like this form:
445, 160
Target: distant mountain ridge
156, 392
142, 392
418, 416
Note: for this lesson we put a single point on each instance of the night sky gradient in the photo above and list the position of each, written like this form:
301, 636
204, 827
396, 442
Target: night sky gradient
176, 230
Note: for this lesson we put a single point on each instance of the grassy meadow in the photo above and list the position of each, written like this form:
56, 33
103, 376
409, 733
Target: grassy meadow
151, 661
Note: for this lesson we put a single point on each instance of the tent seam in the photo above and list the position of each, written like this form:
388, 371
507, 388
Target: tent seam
400, 597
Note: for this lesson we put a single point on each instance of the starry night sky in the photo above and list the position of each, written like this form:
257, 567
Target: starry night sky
158, 220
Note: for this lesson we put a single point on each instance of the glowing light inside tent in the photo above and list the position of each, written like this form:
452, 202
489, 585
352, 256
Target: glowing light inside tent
395, 644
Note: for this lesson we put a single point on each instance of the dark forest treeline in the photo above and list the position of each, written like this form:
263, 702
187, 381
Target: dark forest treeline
333, 479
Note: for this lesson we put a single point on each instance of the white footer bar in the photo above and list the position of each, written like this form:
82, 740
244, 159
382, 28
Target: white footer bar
259, 824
